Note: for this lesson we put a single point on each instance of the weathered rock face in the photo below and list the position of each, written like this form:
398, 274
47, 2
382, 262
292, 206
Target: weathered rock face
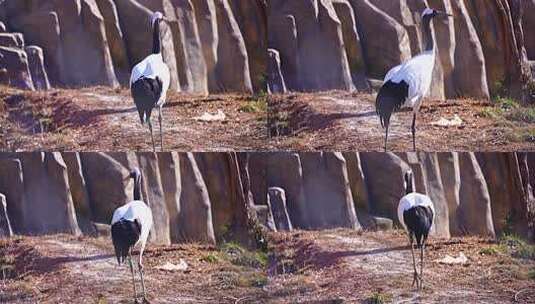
528, 26
469, 74
276, 82
12, 40
435, 190
18, 71
328, 197
474, 214
384, 174
497, 26
451, 179
153, 194
252, 20
195, 215
277, 205
356, 182
384, 51
188, 48
5, 225
209, 46
209, 197
504, 181
310, 180
80, 196
322, 57
205, 12
115, 38
479, 51
232, 67
44, 204
352, 43
37, 67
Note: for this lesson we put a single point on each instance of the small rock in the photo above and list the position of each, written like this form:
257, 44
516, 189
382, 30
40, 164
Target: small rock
449, 260
382, 223
208, 117
168, 266
102, 229
445, 122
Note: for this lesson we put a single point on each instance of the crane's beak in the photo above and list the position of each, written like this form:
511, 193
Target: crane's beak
444, 14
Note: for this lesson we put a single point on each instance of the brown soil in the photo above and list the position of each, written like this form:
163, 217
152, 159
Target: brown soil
67, 269
101, 118
345, 266
341, 121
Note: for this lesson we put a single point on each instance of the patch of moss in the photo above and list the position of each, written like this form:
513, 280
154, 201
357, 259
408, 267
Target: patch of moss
517, 247
379, 298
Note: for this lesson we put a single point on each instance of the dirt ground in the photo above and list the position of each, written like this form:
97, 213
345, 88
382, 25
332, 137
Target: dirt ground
330, 266
338, 120
67, 269
101, 118
345, 266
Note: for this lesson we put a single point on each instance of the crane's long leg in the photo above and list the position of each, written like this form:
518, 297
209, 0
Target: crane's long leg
132, 271
140, 265
152, 136
415, 275
414, 131
422, 264
161, 132
142, 282
386, 135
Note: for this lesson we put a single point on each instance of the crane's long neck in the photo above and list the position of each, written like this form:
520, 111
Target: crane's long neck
429, 43
137, 188
409, 185
156, 42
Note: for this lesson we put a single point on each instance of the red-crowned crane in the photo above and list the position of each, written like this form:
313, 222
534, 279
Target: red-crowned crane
130, 227
149, 81
416, 214
408, 83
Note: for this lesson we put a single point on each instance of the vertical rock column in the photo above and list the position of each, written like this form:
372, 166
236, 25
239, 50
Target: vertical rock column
474, 214
5, 225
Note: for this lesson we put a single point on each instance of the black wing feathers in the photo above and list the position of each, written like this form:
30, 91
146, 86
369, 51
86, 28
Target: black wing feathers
124, 234
146, 92
390, 98
418, 221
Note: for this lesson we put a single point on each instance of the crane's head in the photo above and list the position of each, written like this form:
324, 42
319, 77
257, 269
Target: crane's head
135, 174
157, 16
430, 13
408, 182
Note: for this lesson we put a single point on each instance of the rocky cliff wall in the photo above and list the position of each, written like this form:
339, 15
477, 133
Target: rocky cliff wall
209, 45
210, 197
330, 44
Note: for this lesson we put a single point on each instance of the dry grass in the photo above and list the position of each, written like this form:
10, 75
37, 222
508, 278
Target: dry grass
338, 120
101, 118
67, 269
374, 267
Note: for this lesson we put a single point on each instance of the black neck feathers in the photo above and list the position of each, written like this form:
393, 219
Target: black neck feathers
429, 44
409, 188
136, 176
156, 41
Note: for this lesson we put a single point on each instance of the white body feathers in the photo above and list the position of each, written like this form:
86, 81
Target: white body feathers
151, 67
418, 74
136, 210
412, 200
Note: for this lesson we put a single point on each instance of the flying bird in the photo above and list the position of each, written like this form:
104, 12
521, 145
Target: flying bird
149, 81
130, 227
416, 214
408, 83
